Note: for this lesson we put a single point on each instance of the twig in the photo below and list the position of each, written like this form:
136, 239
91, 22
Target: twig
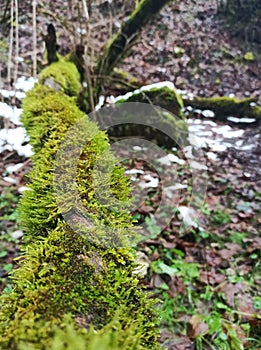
16, 41
11, 43
34, 40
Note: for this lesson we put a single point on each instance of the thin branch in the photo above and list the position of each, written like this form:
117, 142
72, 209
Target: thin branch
34, 4
16, 40
11, 43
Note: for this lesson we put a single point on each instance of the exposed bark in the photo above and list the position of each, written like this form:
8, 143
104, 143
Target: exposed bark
51, 44
121, 44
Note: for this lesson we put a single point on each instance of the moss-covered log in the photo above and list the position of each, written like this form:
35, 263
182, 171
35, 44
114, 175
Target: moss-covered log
224, 107
165, 126
120, 45
74, 286
121, 82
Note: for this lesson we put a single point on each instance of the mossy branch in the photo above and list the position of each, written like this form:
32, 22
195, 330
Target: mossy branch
227, 106
120, 45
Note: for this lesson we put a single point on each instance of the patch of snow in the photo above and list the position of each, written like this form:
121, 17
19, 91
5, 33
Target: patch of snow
134, 171
209, 122
208, 113
218, 147
197, 141
205, 133
13, 168
232, 134
245, 148
221, 129
11, 113
25, 84
23, 188
152, 182
188, 215
100, 103
25, 151
241, 120
13, 139
196, 127
171, 158
159, 85
10, 93
10, 180
239, 143
212, 155
247, 174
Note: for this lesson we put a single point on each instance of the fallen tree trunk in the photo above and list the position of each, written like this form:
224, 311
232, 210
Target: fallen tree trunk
76, 285
224, 106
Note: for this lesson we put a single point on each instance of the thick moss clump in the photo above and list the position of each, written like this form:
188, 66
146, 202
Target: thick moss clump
63, 275
75, 278
46, 110
62, 76
46, 123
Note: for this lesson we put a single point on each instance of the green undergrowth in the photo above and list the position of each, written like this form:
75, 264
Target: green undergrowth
74, 281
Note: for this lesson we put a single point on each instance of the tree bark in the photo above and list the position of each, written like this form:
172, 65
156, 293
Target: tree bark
120, 45
51, 44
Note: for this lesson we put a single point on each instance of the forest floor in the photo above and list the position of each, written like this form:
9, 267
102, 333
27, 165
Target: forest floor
207, 275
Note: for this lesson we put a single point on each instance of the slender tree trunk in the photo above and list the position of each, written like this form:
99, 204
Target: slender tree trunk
120, 45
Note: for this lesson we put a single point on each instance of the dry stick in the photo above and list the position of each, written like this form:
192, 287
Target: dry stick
85, 10
34, 3
11, 43
16, 41
87, 70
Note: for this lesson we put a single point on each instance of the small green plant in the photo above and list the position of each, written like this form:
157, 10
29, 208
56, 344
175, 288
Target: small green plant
219, 217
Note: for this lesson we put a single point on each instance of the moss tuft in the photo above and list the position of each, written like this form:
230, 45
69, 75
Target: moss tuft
62, 76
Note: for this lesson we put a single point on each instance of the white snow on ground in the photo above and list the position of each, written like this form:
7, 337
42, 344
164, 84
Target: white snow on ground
11, 113
25, 84
15, 139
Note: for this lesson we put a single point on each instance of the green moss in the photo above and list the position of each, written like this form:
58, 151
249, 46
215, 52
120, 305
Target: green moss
64, 274
74, 281
226, 106
46, 110
163, 97
63, 76
46, 123
168, 129
122, 81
